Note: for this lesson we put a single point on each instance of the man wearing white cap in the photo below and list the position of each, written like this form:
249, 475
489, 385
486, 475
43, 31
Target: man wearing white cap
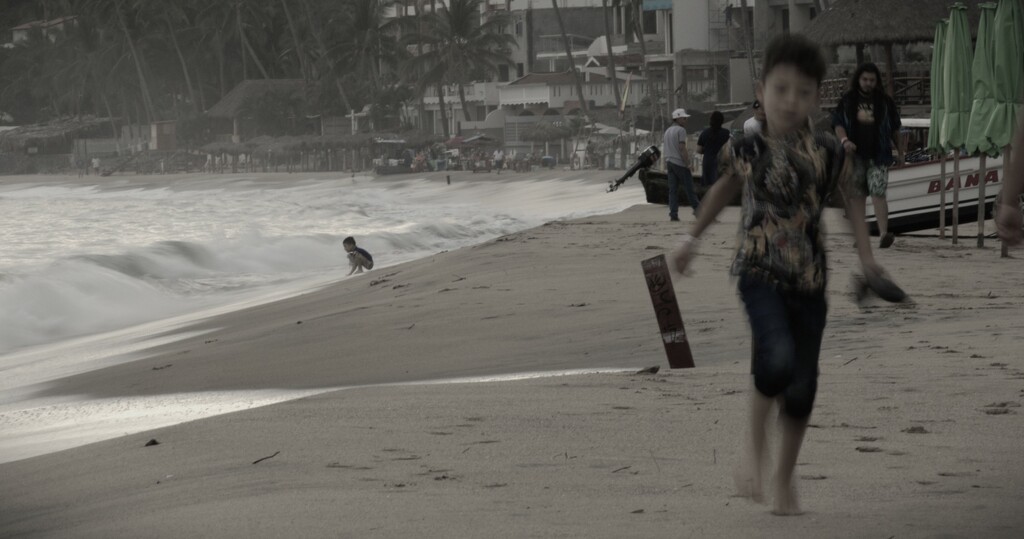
677, 162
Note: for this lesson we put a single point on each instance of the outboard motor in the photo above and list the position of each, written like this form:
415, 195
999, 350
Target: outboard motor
646, 159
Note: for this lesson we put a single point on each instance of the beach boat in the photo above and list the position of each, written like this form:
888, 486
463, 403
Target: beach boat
914, 188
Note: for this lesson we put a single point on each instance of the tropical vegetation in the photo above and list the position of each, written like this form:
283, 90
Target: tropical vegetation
145, 60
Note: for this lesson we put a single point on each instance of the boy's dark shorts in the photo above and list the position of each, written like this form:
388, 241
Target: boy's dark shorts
357, 259
787, 330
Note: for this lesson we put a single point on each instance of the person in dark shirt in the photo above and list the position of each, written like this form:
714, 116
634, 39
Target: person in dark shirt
709, 143
358, 258
867, 123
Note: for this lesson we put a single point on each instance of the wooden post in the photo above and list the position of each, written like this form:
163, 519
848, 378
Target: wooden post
942, 197
670, 321
981, 201
956, 194
1004, 251
892, 70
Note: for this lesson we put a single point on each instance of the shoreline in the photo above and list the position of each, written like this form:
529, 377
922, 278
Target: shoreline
916, 431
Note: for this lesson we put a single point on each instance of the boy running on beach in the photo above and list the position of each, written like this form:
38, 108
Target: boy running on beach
786, 174
358, 258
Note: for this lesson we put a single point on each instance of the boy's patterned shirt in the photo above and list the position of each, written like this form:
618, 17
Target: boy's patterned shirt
786, 186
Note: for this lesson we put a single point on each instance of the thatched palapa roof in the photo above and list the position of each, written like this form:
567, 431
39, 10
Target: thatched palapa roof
233, 103
851, 22
49, 135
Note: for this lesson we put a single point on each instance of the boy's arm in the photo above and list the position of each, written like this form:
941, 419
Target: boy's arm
717, 198
855, 213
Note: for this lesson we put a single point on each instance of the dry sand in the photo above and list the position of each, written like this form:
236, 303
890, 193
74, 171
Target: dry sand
917, 430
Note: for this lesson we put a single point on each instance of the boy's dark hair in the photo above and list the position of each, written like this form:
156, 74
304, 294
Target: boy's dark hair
798, 51
717, 119
866, 67
348, 241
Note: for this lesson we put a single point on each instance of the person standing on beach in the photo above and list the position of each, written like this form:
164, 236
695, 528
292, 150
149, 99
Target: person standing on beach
499, 159
753, 124
867, 122
709, 143
787, 175
1008, 215
677, 162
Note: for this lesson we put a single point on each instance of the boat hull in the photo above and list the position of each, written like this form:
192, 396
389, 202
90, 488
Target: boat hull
914, 194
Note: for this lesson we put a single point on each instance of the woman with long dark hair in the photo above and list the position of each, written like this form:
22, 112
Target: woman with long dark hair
867, 123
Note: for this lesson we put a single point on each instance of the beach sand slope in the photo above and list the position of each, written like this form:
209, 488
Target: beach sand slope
916, 432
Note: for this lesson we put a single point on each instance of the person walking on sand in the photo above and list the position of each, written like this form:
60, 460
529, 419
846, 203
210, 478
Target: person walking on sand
867, 122
709, 144
677, 163
786, 175
1008, 215
358, 258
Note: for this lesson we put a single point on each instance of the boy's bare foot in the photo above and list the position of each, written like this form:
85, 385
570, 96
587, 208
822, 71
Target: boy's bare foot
751, 469
748, 484
786, 501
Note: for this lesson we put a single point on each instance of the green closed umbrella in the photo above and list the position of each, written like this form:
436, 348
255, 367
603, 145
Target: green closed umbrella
938, 48
982, 105
956, 79
1008, 78
983, 99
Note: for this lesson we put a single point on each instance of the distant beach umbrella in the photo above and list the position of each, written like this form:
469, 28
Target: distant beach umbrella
938, 48
983, 95
1008, 77
956, 79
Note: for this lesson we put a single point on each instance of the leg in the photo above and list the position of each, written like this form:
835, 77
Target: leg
807, 314
749, 473
673, 191
881, 213
691, 194
773, 366
786, 501
878, 184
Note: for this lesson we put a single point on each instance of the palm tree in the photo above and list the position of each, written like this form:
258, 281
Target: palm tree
611, 55
366, 45
137, 59
331, 17
568, 54
459, 48
300, 49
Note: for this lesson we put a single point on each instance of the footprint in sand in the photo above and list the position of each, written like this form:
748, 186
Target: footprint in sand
1000, 408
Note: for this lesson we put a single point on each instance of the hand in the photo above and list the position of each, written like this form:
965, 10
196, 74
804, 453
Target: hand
1008, 223
848, 145
680, 257
872, 269
879, 282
